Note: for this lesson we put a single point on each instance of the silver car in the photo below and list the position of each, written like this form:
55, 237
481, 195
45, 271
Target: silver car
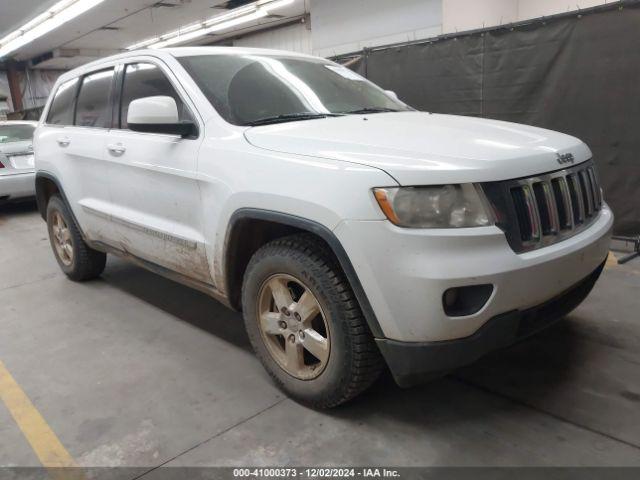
17, 176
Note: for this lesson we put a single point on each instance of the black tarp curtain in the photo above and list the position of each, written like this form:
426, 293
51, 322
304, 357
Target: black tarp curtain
577, 73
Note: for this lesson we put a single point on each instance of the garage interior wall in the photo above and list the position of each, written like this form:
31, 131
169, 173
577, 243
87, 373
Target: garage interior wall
344, 26
461, 15
543, 74
336, 27
296, 38
339, 26
36, 85
5, 96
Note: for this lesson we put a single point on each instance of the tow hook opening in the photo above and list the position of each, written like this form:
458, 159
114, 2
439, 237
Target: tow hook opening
463, 301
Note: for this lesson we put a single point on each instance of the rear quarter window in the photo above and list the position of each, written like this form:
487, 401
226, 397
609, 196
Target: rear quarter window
61, 110
16, 133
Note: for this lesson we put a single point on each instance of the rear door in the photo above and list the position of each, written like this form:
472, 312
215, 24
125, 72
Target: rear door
71, 144
157, 208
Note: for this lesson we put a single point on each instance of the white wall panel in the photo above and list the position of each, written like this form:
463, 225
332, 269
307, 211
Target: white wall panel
344, 26
461, 15
296, 38
539, 8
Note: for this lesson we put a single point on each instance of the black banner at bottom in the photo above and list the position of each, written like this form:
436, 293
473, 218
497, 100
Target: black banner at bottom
406, 473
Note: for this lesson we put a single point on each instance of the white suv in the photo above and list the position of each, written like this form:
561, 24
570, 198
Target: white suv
350, 229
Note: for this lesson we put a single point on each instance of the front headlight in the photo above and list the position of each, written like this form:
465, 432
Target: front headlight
444, 206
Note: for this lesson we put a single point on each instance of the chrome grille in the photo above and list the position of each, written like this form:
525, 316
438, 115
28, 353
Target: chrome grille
538, 211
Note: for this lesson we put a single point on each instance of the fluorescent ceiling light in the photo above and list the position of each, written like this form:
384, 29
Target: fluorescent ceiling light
237, 16
42, 24
214, 28
275, 4
236, 12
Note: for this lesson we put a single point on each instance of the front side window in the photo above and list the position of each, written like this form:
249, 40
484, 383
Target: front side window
147, 80
61, 110
16, 133
94, 100
250, 89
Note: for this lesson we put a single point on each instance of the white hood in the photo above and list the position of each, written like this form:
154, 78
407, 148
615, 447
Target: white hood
419, 148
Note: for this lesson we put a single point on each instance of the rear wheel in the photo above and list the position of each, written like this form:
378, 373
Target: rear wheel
305, 324
76, 259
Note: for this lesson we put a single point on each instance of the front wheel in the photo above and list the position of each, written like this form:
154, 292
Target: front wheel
305, 324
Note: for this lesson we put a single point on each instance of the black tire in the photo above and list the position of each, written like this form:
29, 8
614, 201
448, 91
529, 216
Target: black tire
86, 263
354, 361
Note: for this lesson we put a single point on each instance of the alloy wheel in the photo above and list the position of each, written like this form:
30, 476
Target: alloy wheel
293, 326
62, 239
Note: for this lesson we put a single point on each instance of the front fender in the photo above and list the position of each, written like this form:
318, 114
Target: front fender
306, 225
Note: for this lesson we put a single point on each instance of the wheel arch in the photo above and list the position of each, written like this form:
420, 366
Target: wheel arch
251, 228
47, 185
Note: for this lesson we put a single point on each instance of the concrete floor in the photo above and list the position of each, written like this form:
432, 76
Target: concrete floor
135, 370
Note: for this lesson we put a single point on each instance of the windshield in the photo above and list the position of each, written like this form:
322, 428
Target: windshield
16, 133
251, 89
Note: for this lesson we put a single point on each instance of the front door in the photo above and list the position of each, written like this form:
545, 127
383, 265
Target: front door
156, 208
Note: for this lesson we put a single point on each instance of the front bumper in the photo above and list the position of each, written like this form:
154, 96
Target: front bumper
404, 273
19, 185
412, 363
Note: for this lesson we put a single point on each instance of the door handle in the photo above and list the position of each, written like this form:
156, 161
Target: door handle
116, 148
64, 141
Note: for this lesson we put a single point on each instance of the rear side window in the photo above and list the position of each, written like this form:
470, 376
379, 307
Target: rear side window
94, 100
147, 80
15, 133
61, 110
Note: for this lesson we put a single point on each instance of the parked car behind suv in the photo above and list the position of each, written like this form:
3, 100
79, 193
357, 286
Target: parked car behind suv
351, 230
17, 171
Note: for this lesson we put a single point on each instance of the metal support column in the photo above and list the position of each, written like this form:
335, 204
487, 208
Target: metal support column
14, 86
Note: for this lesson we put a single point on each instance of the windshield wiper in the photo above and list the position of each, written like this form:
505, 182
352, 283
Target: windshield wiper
372, 110
289, 117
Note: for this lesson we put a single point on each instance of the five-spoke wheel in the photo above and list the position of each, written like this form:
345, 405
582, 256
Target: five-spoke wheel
293, 326
62, 239
305, 324
76, 259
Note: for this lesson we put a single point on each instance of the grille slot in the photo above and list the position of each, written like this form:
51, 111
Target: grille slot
596, 188
548, 208
522, 212
576, 199
563, 203
587, 198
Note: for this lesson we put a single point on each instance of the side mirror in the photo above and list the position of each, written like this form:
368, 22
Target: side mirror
392, 94
157, 115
